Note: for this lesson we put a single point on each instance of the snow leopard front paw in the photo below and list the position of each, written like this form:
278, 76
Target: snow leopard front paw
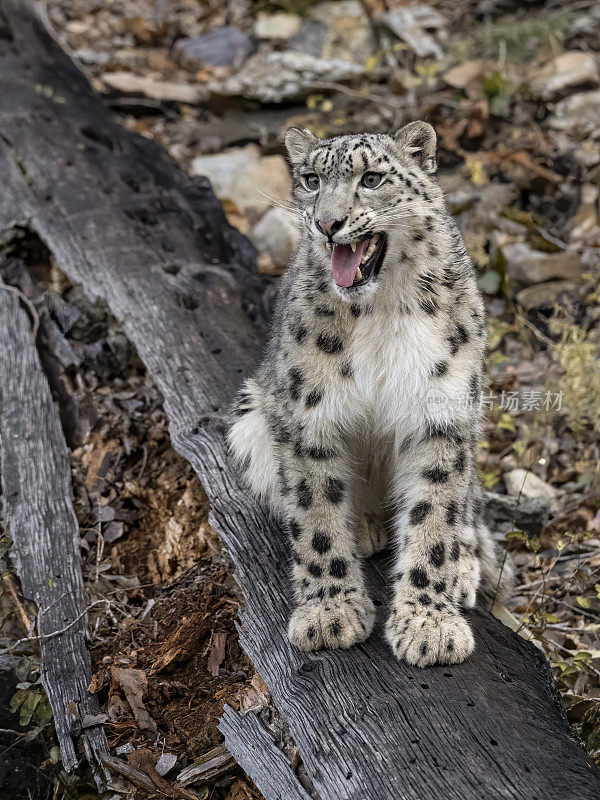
337, 623
371, 535
425, 636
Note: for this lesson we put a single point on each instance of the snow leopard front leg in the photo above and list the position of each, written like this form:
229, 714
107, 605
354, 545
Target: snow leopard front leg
435, 550
332, 607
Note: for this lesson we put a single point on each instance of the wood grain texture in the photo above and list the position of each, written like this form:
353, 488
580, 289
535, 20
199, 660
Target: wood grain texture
135, 231
38, 514
257, 754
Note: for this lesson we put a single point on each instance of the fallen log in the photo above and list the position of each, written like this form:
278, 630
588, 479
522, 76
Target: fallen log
257, 753
38, 514
136, 232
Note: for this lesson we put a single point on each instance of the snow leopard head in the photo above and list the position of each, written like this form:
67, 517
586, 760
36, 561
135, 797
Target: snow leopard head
360, 197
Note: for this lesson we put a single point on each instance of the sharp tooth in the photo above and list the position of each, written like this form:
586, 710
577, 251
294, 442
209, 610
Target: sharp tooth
325, 246
353, 246
358, 276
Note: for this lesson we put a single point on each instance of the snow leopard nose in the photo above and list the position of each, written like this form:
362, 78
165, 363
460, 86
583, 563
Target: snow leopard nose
330, 225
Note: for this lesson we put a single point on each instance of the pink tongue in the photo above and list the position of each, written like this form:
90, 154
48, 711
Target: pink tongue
344, 262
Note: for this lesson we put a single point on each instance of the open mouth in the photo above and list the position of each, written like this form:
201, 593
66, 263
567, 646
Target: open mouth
355, 264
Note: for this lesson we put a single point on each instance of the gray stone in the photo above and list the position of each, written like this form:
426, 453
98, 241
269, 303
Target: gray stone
279, 76
223, 47
527, 484
547, 295
310, 38
277, 235
564, 72
489, 281
348, 32
165, 763
578, 114
166, 91
504, 513
241, 176
585, 224
527, 266
277, 26
411, 23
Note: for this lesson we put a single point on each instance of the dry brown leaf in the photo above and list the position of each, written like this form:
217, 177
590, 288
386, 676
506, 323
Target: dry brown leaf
97, 462
217, 652
134, 684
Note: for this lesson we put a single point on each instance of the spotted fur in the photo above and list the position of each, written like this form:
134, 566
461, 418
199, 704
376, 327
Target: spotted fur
362, 419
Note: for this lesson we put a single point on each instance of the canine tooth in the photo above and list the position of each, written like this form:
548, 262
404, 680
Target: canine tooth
353, 246
358, 276
325, 246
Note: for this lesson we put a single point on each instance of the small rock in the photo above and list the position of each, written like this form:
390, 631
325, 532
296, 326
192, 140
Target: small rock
410, 24
463, 75
90, 56
243, 177
547, 295
105, 514
165, 763
310, 38
504, 513
489, 281
585, 224
277, 235
526, 265
277, 26
587, 152
527, 484
578, 114
222, 47
566, 71
279, 76
114, 530
167, 91
347, 30
224, 169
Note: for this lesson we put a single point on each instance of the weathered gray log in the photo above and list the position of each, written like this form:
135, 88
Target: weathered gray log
123, 221
257, 753
38, 513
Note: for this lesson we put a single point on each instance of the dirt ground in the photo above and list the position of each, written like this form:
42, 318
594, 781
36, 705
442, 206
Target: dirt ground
166, 631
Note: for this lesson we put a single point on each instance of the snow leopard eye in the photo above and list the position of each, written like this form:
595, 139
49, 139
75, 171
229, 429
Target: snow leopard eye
371, 180
311, 181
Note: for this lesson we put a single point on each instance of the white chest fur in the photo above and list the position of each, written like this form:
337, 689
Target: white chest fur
393, 358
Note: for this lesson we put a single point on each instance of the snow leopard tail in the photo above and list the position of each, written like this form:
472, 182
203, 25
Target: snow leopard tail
497, 571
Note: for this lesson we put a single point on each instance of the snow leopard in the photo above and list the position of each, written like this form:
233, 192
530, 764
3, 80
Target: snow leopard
360, 425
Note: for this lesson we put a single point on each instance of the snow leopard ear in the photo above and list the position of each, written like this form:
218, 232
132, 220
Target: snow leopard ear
419, 140
299, 142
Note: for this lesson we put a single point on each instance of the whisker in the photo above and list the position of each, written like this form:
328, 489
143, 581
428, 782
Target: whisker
393, 214
280, 202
